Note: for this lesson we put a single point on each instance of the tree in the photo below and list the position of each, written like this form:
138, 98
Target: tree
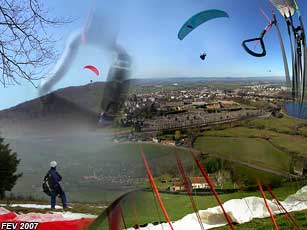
177, 135
8, 168
214, 165
25, 47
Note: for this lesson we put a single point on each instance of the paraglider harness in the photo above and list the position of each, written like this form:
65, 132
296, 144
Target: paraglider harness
298, 48
259, 40
203, 56
48, 185
298, 51
272, 22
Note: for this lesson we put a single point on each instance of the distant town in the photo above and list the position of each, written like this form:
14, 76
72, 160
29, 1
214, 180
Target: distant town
155, 111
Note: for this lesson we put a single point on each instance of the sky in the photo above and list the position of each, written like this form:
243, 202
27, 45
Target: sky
148, 31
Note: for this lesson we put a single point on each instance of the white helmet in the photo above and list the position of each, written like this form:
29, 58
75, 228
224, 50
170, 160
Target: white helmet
53, 164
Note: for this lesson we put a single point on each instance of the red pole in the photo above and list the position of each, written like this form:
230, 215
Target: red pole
278, 202
155, 189
204, 173
123, 219
266, 204
189, 190
136, 216
114, 218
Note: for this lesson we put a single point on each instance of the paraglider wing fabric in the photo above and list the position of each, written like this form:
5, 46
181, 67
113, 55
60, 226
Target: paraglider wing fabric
199, 19
286, 7
109, 218
45, 221
63, 64
92, 68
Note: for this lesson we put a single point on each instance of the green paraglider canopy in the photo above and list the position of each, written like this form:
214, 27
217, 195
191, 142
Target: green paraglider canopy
199, 19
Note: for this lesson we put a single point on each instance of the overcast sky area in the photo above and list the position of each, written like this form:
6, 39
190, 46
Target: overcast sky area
148, 31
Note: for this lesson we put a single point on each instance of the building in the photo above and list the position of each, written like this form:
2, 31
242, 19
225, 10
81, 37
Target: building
213, 106
201, 183
155, 140
168, 142
228, 103
176, 187
198, 183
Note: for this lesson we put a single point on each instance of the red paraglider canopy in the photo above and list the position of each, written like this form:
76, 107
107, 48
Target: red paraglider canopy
92, 68
45, 221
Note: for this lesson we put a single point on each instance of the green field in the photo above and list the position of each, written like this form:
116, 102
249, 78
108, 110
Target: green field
178, 206
267, 143
286, 142
303, 131
255, 151
285, 124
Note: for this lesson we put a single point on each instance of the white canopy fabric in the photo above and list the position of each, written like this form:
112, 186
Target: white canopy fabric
240, 210
286, 7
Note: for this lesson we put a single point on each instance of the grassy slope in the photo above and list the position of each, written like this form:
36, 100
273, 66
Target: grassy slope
290, 143
303, 131
243, 143
285, 124
251, 150
263, 142
178, 205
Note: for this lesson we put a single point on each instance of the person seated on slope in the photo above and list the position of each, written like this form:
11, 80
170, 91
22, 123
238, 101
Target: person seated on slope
55, 186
